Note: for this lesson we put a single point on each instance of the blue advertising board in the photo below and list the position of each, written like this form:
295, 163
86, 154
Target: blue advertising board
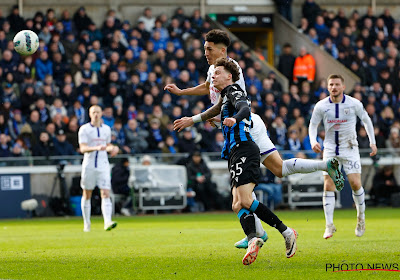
14, 188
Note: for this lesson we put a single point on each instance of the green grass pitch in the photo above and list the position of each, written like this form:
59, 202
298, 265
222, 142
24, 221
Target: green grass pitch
195, 246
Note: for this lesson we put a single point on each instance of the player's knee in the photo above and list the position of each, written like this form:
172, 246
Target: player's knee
236, 207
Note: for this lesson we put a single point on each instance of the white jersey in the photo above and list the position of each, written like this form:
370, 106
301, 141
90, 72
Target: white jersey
340, 120
258, 130
94, 136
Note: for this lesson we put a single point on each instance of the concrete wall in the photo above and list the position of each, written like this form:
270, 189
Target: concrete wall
325, 63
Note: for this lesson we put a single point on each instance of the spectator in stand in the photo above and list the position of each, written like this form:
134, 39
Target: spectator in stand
148, 19
393, 142
135, 138
81, 20
4, 146
44, 147
16, 21
293, 144
43, 66
156, 138
61, 146
310, 11
304, 67
286, 61
384, 186
199, 179
284, 8
321, 28
108, 116
72, 133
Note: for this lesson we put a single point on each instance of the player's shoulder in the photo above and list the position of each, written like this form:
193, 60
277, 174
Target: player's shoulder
84, 127
106, 127
352, 100
323, 102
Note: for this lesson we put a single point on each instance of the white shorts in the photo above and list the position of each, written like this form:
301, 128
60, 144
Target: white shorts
348, 158
261, 138
95, 177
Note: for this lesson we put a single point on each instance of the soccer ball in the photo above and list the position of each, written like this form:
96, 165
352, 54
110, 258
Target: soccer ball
26, 42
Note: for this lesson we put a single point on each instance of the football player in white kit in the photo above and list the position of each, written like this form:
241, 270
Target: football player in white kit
339, 114
95, 142
215, 46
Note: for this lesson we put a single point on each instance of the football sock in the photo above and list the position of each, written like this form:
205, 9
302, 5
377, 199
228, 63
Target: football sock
287, 232
106, 209
299, 165
359, 201
86, 207
259, 228
247, 221
328, 201
267, 215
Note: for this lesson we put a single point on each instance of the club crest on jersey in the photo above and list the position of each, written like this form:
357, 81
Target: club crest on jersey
346, 111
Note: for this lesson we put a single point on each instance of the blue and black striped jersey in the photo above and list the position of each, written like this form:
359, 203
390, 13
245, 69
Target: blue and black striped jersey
231, 96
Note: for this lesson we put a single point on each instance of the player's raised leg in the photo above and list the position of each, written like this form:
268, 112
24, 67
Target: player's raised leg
282, 168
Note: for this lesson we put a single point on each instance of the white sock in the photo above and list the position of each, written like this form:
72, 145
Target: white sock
328, 201
287, 232
106, 209
86, 207
299, 165
259, 228
359, 201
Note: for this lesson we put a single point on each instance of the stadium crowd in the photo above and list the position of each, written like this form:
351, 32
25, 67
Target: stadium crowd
123, 66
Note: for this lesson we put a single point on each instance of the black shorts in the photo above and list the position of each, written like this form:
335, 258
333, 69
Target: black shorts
244, 164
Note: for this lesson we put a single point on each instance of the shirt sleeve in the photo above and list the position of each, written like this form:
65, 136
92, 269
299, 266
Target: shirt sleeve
316, 118
82, 137
108, 139
236, 95
369, 128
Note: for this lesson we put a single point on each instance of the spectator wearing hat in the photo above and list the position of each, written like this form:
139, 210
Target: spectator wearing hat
16, 21
286, 62
81, 20
61, 146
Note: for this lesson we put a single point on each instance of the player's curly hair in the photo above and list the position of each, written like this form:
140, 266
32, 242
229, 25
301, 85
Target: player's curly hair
218, 36
335, 76
229, 66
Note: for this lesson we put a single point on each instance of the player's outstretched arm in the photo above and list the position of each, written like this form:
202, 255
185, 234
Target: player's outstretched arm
201, 89
84, 148
182, 123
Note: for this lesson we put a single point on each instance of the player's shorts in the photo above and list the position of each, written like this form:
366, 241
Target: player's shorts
348, 158
261, 138
244, 164
95, 177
